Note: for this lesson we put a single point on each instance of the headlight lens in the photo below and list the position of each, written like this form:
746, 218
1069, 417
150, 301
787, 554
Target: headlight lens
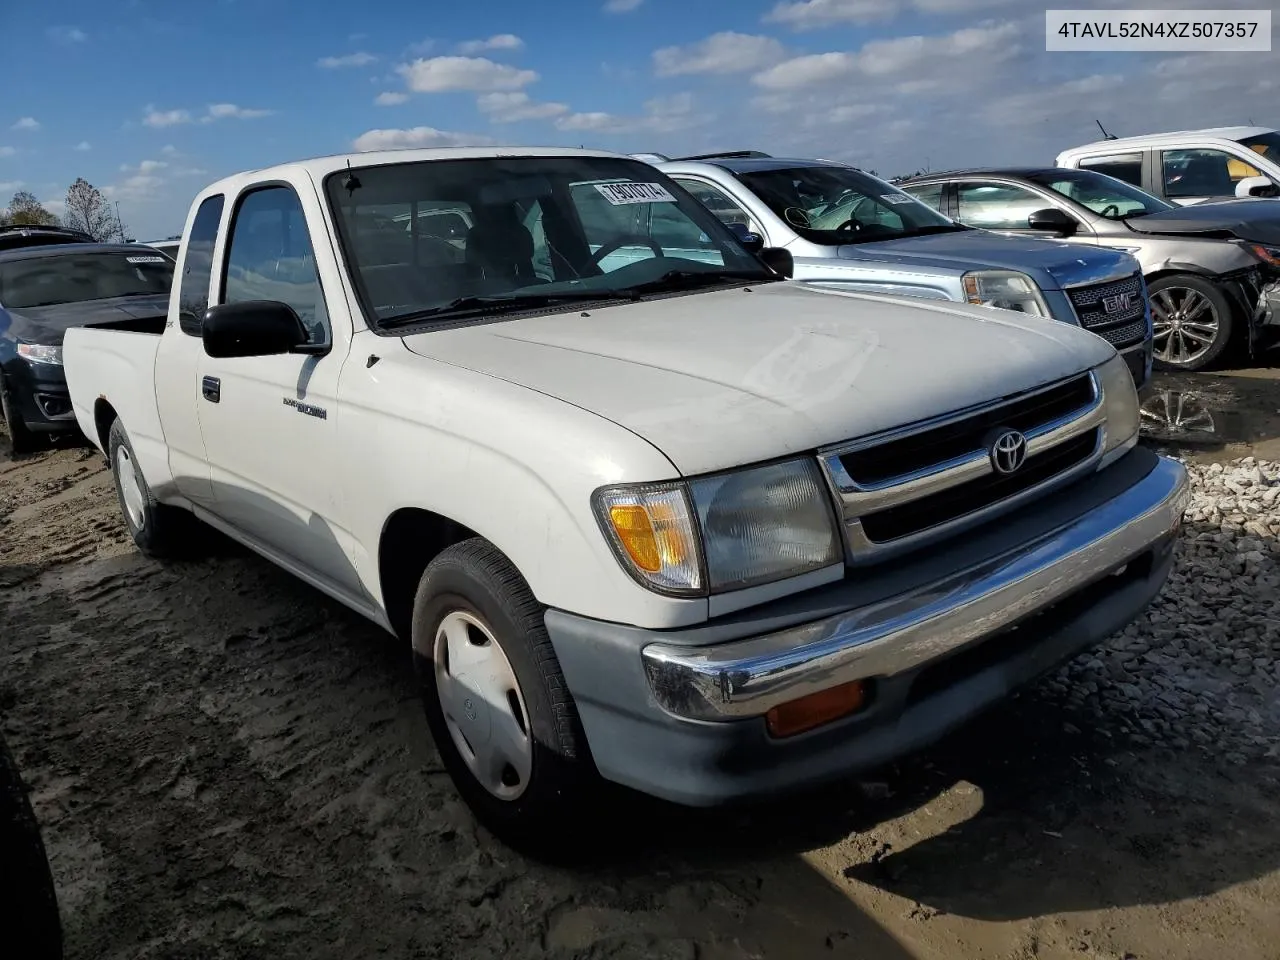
40, 353
1006, 289
1269, 255
756, 526
1121, 400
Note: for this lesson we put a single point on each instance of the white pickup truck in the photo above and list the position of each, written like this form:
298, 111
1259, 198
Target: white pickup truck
675, 521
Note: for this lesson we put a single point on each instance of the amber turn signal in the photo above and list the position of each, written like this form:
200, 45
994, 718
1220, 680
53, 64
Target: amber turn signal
798, 716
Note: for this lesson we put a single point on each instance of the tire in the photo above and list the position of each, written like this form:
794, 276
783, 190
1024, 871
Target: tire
157, 529
28, 898
470, 598
21, 440
1179, 342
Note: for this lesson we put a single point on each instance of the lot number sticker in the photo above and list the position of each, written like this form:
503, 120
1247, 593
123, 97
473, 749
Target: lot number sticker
145, 259
622, 193
896, 198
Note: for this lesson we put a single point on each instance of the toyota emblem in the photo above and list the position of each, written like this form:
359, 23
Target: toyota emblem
1008, 451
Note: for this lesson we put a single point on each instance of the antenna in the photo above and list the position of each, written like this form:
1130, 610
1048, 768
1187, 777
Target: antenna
1105, 135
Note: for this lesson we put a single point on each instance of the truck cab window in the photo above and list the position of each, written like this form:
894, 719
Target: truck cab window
197, 265
270, 257
1122, 166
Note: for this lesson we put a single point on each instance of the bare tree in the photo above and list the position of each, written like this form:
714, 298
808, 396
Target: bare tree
26, 210
88, 210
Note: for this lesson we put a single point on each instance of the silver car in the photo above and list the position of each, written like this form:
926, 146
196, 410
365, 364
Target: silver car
1213, 269
849, 230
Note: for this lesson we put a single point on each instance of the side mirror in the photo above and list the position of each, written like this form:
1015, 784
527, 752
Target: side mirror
1256, 187
778, 259
1053, 220
252, 328
747, 237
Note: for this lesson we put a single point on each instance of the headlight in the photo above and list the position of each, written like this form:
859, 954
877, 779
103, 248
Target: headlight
40, 353
1268, 255
724, 532
1120, 399
1006, 289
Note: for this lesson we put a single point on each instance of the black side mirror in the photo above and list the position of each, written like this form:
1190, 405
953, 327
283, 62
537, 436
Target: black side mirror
252, 328
778, 259
1053, 220
752, 241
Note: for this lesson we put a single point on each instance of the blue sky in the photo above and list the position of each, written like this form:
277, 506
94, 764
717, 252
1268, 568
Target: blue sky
152, 99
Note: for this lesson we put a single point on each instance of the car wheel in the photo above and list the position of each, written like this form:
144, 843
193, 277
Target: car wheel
496, 701
21, 440
1191, 322
157, 529
28, 898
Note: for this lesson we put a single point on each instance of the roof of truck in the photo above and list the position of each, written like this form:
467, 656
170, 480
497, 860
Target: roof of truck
1208, 133
1018, 172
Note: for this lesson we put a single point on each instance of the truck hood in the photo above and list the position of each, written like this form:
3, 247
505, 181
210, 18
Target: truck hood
1253, 219
48, 325
981, 250
721, 379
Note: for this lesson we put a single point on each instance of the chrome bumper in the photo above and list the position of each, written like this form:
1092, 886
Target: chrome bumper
746, 678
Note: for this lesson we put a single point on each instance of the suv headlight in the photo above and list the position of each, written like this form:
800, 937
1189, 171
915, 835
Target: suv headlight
1006, 289
1120, 400
723, 532
40, 353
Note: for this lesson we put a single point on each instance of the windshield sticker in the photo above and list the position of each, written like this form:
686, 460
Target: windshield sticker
145, 259
896, 197
622, 193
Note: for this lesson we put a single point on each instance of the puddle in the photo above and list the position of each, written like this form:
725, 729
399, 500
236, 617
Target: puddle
1190, 413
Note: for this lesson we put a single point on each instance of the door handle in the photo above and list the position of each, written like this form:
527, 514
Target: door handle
211, 388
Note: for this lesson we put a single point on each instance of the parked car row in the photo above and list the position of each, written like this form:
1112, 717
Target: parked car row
645, 509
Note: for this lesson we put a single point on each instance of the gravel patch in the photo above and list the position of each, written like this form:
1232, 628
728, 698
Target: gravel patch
1200, 670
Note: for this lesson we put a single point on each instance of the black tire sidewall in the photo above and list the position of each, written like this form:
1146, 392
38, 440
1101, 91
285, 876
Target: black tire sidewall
1221, 303
21, 440
471, 577
149, 539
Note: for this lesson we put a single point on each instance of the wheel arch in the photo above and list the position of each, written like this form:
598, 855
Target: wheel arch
104, 415
411, 538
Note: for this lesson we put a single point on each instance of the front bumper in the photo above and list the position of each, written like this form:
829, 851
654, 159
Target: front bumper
39, 395
680, 714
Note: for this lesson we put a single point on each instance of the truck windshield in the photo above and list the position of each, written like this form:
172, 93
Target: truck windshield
838, 205
1104, 195
77, 278
1267, 144
491, 234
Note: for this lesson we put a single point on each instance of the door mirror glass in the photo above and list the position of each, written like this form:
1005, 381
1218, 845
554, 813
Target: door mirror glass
778, 259
252, 328
1053, 220
1256, 187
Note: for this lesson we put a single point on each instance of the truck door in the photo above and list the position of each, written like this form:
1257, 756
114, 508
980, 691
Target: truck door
270, 422
180, 352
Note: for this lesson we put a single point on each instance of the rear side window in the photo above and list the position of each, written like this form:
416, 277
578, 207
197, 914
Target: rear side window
197, 266
930, 193
270, 257
1122, 166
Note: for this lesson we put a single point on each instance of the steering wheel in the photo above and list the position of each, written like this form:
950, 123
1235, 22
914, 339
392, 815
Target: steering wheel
853, 223
617, 243
1115, 211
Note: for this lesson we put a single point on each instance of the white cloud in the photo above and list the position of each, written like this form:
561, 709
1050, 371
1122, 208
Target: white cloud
441, 74
165, 118
358, 59
26, 123
816, 14
808, 70
390, 98
140, 188
55, 205
230, 111
146, 166
67, 35
499, 41
661, 115
83, 146
10, 186
169, 150
415, 137
621, 6
720, 53
517, 105
7, 151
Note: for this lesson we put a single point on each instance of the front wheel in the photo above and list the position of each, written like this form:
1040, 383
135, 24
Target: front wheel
496, 701
1191, 322
21, 440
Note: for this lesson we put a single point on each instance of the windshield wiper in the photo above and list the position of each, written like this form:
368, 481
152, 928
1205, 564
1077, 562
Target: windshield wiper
936, 228
691, 279
505, 303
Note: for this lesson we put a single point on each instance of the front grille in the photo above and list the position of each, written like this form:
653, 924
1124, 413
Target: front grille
917, 515
919, 451
1115, 311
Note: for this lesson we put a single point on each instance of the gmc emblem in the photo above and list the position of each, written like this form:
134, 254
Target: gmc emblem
1117, 304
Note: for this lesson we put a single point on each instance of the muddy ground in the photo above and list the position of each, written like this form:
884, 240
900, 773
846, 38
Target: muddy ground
229, 765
